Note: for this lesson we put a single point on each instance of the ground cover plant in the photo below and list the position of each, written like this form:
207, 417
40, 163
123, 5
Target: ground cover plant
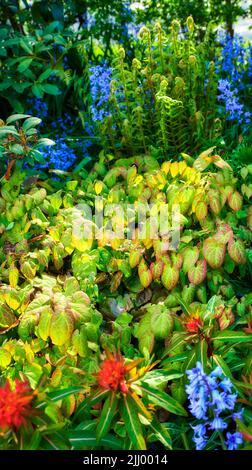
125, 230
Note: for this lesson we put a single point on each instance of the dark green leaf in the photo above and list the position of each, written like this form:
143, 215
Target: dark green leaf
163, 400
133, 425
161, 433
107, 414
234, 336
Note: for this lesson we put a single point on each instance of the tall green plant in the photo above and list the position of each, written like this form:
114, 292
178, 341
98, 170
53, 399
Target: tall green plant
166, 98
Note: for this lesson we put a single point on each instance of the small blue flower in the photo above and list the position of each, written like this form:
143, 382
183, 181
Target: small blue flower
100, 77
233, 440
210, 395
59, 156
218, 424
238, 415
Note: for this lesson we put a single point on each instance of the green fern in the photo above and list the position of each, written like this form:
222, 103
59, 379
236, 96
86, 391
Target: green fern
162, 98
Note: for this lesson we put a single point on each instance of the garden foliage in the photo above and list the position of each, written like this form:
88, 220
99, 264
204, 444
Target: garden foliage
141, 339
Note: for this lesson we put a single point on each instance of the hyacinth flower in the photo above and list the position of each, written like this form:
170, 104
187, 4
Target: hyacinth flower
15, 405
212, 402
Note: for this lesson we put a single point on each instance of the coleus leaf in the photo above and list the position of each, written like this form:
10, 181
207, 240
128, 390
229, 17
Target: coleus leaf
214, 252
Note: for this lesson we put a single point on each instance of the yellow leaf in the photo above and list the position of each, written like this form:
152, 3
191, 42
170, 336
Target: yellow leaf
182, 167
98, 187
13, 276
81, 244
174, 169
12, 300
141, 406
166, 167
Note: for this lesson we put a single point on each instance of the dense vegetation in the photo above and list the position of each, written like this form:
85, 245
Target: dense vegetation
125, 222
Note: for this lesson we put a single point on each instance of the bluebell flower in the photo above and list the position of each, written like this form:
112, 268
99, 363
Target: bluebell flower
234, 109
200, 438
234, 66
233, 440
238, 415
218, 424
210, 396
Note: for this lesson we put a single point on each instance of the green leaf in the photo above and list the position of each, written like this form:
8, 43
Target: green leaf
81, 439
219, 361
50, 89
5, 358
55, 442
31, 122
99, 395
163, 400
8, 130
17, 149
201, 351
33, 372
107, 415
61, 328
161, 433
16, 117
130, 417
43, 328
156, 378
214, 252
178, 339
210, 308
44, 75
60, 394
24, 64
161, 322
37, 90
234, 336
45, 141
25, 46
197, 273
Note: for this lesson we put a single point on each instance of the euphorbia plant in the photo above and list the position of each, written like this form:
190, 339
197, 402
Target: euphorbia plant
126, 393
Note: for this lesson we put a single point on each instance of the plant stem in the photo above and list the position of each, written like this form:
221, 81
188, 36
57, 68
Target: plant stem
185, 441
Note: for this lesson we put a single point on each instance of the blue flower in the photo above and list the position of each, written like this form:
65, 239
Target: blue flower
38, 107
59, 156
199, 437
100, 77
218, 424
233, 440
238, 414
210, 395
234, 109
